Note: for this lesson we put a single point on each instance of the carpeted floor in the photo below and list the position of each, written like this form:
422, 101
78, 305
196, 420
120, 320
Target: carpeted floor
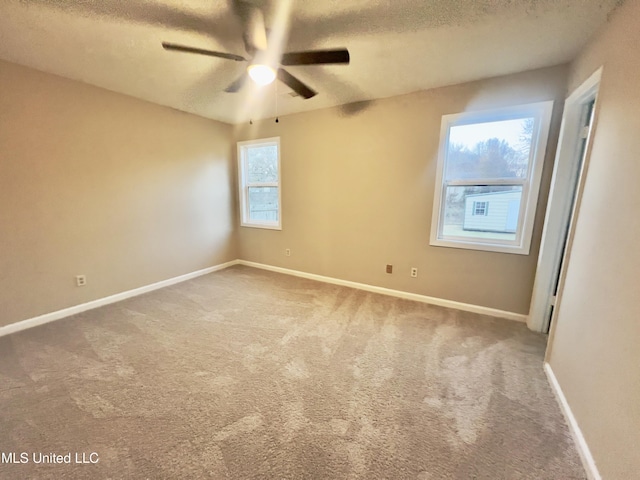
251, 374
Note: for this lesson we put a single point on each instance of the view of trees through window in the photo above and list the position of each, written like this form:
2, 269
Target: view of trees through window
480, 154
262, 164
262, 180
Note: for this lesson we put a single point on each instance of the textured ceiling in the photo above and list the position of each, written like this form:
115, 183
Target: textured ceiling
396, 46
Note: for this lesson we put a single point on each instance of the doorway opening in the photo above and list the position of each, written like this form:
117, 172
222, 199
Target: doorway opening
574, 146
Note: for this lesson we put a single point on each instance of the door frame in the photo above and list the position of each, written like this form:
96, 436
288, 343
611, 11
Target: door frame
567, 183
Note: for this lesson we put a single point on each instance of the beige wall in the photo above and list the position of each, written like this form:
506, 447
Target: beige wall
595, 348
96, 183
358, 194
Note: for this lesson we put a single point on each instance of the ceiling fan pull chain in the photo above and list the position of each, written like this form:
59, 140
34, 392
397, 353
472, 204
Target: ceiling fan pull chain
277, 120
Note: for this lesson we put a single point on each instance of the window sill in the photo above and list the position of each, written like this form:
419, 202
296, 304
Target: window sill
264, 226
486, 247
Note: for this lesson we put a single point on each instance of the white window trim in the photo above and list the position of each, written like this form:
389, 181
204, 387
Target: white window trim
530, 186
244, 186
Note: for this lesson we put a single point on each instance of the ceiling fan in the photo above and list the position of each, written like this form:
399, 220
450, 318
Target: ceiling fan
263, 68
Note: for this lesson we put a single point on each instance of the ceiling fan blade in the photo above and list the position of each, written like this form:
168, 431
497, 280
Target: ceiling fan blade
316, 57
294, 84
254, 34
237, 84
200, 51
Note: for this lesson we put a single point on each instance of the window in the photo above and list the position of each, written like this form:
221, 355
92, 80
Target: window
488, 178
480, 208
259, 176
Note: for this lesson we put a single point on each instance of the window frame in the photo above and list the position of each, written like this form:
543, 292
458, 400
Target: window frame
244, 185
521, 245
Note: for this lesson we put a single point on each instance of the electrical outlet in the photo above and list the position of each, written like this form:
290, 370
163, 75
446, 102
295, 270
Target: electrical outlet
287, 252
389, 268
414, 272
81, 280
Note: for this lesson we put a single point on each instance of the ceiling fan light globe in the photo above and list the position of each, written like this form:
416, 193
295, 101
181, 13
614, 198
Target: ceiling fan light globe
261, 74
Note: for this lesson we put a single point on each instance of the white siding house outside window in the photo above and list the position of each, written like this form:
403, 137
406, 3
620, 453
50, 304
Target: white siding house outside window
488, 178
259, 177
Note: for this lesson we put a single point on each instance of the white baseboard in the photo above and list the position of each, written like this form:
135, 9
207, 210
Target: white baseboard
583, 449
394, 293
67, 312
